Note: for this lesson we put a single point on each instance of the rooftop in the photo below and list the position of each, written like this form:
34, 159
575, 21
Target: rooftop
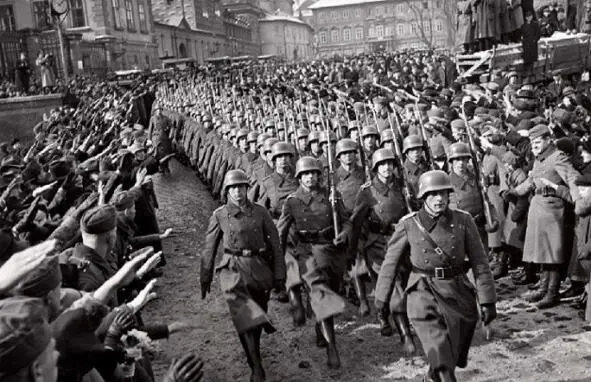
342, 3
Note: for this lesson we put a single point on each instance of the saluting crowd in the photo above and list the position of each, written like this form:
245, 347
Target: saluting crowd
385, 181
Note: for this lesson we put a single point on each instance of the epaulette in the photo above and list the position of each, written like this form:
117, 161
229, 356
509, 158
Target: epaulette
218, 209
407, 216
290, 196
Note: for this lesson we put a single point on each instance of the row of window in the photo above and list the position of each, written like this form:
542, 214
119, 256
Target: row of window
379, 10
123, 10
378, 31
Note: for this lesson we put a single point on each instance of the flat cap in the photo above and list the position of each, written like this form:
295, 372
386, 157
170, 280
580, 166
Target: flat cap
99, 219
539, 131
123, 200
24, 333
458, 124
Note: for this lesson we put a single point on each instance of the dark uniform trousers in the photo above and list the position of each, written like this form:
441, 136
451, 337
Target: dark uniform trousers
314, 262
251, 261
441, 306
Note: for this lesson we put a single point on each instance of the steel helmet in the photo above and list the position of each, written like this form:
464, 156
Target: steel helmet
269, 124
241, 133
381, 155
302, 132
458, 150
434, 180
305, 164
252, 137
411, 142
386, 136
369, 130
281, 148
314, 136
280, 126
345, 145
232, 133
234, 178
268, 145
262, 138
323, 137
353, 125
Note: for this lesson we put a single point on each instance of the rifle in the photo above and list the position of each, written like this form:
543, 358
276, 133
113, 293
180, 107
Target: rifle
406, 189
331, 182
491, 224
426, 147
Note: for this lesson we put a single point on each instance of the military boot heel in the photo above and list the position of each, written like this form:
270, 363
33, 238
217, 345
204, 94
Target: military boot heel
333, 360
538, 294
297, 307
403, 327
384, 320
552, 297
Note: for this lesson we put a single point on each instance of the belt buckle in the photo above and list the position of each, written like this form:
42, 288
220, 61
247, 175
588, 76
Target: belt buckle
440, 273
246, 253
439, 251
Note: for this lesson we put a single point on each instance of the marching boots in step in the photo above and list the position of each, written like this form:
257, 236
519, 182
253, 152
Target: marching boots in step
251, 342
327, 326
552, 297
403, 327
297, 307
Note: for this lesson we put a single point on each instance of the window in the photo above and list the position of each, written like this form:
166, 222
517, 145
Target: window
389, 31
346, 14
380, 31
116, 14
358, 12
323, 37
334, 35
413, 27
346, 34
41, 14
379, 11
371, 32
6, 18
129, 15
333, 15
322, 15
77, 13
427, 27
359, 33
400, 8
401, 29
147, 60
141, 11
439, 26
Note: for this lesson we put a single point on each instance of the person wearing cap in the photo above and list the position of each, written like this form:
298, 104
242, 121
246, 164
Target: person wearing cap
315, 261
27, 348
582, 248
558, 84
159, 133
441, 244
552, 183
252, 264
378, 207
458, 130
98, 226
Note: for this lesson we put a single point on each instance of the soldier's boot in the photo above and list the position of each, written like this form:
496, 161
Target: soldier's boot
502, 266
320, 340
403, 327
333, 361
252, 343
384, 320
552, 297
360, 289
297, 307
538, 294
446, 375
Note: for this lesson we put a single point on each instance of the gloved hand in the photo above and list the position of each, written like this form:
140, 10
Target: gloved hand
123, 322
187, 369
488, 313
341, 239
205, 289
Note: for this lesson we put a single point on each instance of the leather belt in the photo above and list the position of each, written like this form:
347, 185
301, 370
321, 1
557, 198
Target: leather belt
316, 236
245, 252
545, 191
442, 273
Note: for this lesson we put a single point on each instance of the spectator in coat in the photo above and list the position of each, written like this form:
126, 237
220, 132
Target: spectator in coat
530, 37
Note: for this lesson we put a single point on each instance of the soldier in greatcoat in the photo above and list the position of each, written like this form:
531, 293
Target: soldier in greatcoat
441, 244
251, 266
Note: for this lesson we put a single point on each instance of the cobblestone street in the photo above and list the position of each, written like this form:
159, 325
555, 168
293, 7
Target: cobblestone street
553, 345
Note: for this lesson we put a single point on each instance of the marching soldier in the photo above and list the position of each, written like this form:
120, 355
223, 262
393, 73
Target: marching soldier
252, 264
263, 171
315, 261
378, 207
159, 134
414, 163
441, 300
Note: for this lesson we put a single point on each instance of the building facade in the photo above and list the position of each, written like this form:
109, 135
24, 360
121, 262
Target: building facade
286, 36
346, 27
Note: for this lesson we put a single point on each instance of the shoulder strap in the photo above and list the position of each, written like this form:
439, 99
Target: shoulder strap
428, 237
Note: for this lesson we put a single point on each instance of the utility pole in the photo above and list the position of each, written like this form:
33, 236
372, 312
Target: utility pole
60, 36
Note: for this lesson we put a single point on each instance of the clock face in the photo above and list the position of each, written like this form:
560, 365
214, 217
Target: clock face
60, 6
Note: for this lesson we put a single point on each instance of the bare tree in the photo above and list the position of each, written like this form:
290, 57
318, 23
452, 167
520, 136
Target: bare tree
426, 12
